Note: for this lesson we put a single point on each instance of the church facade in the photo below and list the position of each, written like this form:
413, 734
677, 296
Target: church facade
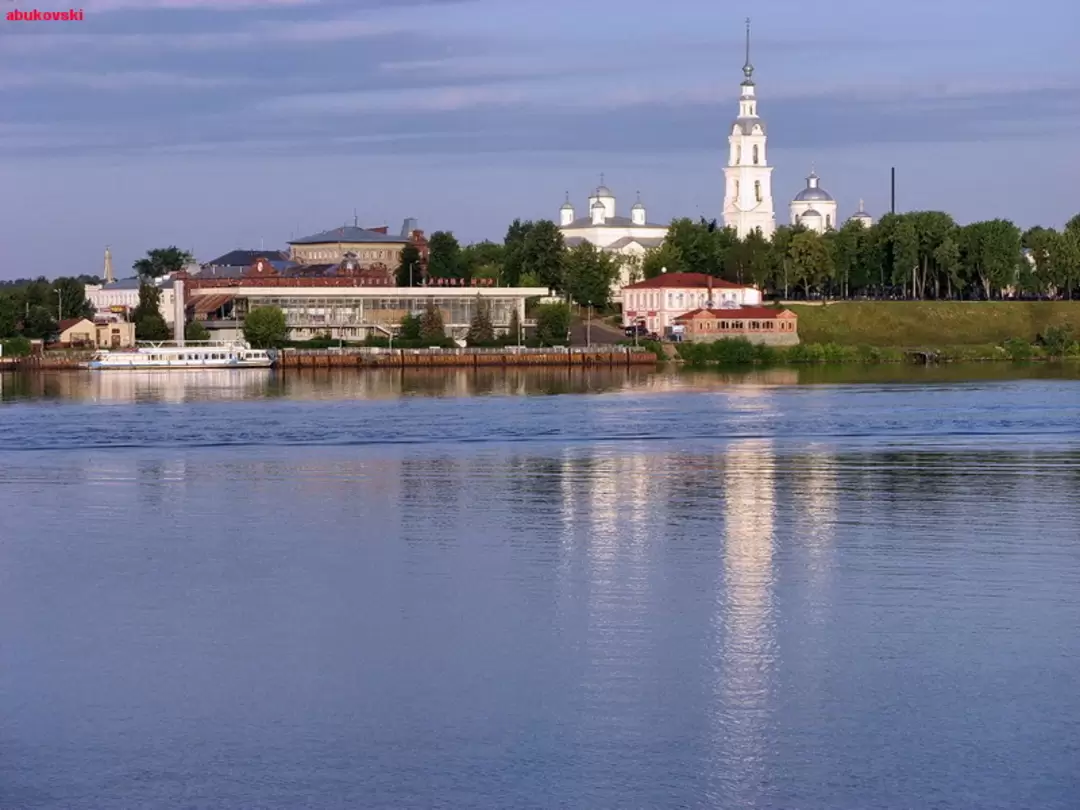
626, 237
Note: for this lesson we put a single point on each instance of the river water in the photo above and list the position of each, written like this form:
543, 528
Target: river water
856, 588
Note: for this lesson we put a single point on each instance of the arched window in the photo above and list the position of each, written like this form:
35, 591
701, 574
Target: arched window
738, 155
757, 188
756, 161
736, 189
828, 221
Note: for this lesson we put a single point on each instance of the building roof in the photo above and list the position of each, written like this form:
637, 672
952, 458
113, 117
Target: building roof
349, 233
738, 313
67, 323
746, 125
134, 284
684, 281
611, 222
246, 258
644, 241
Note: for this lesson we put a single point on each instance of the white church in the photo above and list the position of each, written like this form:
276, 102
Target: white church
748, 200
627, 237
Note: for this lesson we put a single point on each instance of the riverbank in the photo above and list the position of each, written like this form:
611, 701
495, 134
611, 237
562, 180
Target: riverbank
910, 324
608, 356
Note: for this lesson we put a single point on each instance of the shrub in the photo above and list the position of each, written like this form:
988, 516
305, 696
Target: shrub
16, 347
1057, 340
1018, 349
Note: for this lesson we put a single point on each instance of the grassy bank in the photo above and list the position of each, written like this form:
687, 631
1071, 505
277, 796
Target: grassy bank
933, 324
741, 352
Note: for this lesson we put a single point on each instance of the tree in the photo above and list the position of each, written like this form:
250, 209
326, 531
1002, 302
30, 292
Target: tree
552, 324
513, 333
265, 328
38, 322
483, 260
410, 327
990, 254
514, 251
658, 259
444, 256
195, 331
811, 263
590, 274
9, 316
432, 329
543, 254
162, 261
69, 294
481, 329
409, 271
149, 323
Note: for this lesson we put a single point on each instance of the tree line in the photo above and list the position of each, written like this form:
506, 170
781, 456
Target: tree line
921, 255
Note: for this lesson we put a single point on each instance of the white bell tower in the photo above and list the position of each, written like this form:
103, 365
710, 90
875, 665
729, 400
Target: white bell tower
748, 202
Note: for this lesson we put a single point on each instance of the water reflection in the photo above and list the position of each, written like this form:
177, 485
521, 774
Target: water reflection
744, 625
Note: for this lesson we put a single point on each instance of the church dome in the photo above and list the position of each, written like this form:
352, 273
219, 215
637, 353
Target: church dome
861, 215
638, 206
598, 205
567, 206
813, 192
604, 191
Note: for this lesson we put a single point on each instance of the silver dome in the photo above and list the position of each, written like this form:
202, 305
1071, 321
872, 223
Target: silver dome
567, 206
812, 194
638, 207
604, 191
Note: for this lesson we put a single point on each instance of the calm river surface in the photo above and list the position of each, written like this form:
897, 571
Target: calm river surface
541, 589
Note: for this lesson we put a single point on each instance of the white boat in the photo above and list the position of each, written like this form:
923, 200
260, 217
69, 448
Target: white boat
190, 355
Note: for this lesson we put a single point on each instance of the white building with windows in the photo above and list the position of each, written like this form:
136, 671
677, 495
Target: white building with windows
657, 302
748, 201
814, 208
627, 237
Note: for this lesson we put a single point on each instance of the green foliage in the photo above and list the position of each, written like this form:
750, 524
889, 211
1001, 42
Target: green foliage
409, 273
16, 347
196, 331
410, 327
162, 261
1058, 340
481, 330
265, 328
552, 324
590, 274
149, 323
432, 329
513, 257
514, 333
444, 256
483, 260
543, 254
1018, 349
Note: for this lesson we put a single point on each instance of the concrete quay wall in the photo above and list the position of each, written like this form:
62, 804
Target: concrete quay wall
458, 358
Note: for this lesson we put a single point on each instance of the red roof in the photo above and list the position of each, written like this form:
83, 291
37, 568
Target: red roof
67, 323
683, 281
742, 313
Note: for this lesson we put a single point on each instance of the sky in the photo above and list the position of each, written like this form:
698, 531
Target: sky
223, 124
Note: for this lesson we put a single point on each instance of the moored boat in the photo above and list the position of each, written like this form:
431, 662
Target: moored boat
190, 355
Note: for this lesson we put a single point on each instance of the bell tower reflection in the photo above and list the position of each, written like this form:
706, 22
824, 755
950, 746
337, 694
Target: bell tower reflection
744, 621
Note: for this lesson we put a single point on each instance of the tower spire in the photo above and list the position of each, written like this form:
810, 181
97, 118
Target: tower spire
108, 266
748, 69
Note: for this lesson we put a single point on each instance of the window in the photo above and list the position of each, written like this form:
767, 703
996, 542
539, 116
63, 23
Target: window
736, 189
756, 155
757, 188
738, 160
828, 220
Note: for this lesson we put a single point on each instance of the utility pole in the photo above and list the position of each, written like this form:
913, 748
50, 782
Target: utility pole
893, 191
59, 305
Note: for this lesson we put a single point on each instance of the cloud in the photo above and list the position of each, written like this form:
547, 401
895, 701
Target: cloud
117, 81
